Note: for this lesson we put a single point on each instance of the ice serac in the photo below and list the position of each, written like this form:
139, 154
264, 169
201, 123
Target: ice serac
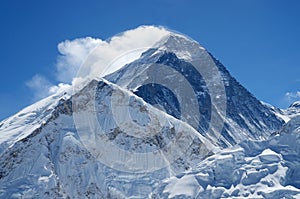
252, 169
190, 66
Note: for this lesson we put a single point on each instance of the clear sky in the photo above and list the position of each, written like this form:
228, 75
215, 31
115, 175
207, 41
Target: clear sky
257, 40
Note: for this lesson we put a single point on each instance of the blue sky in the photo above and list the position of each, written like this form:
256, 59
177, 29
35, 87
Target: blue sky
257, 40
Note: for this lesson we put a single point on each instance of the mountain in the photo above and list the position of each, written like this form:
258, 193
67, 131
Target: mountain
234, 112
171, 124
55, 161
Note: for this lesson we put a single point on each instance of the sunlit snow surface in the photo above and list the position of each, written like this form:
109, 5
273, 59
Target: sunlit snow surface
268, 169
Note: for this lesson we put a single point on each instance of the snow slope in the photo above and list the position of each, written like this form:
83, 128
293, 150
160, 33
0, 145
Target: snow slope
253, 169
22, 124
56, 161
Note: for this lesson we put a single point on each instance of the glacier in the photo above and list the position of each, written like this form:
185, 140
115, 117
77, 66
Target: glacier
252, 169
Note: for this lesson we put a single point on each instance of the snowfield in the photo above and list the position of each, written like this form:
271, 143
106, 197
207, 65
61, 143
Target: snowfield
268, 169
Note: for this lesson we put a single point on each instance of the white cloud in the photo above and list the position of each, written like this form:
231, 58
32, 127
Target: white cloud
40, 85
58, 88
291, 97
132, 43
92, 57
72, 55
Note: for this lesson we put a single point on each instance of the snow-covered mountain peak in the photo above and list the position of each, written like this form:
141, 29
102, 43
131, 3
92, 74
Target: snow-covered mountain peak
191, 85
84, 147
183, 46
295, 105
129, 45
114, 53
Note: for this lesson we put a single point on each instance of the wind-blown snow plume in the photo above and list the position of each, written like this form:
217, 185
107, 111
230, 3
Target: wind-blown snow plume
140, 39
73, 54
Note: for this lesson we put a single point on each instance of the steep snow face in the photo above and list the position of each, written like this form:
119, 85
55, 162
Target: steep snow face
22, 124
127, 132
50, 162
83, 150
183, 79
267, 169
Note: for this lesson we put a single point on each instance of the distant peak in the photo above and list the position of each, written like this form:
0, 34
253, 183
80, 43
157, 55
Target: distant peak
295, 105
